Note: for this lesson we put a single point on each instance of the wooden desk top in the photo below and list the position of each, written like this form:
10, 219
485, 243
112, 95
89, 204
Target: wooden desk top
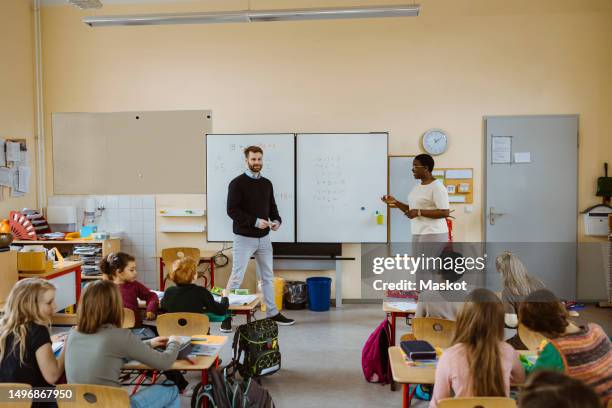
406, 374
67, 265
389, 309
248, 307
64, 242
201, 362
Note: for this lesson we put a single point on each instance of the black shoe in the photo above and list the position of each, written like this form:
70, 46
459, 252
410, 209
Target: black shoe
282, 320
226, 325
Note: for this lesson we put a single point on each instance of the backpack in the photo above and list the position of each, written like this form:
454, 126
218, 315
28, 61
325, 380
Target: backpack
224, 390
375, 355
256, 351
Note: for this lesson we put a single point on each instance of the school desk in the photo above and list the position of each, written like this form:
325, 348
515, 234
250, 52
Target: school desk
394, 313
409, 375
197, 363
66, 278
247, 310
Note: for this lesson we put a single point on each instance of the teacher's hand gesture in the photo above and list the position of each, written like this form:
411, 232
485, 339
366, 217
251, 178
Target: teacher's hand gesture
389, 199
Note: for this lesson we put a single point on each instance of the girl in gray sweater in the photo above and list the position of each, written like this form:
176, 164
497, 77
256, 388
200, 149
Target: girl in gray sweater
98, 348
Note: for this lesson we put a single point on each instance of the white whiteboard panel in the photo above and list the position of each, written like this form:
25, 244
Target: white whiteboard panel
401, 182
225, 161
340, 180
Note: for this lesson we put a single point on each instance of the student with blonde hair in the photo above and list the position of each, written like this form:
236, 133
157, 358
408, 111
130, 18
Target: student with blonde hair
25, 343
99, 347
186, 296
517, 282
480, 363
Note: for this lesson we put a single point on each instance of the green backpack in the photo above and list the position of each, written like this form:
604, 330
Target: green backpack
256, 351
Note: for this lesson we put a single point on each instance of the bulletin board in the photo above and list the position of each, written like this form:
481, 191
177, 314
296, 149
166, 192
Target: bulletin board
459, 183
148, 152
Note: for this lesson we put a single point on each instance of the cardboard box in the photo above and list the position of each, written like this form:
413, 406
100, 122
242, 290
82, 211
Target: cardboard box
33, 262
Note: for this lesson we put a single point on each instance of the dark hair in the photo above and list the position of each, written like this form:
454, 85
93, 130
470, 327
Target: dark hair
115, 261
426, 160
550, 389
254, 149
542, 312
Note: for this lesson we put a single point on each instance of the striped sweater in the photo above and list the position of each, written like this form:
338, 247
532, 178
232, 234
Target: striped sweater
586, 355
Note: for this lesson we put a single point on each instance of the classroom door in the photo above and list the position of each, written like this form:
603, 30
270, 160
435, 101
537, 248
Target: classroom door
531, 196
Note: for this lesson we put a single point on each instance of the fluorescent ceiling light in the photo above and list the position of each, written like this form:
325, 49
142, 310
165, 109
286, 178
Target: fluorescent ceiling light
256, 16
86, 4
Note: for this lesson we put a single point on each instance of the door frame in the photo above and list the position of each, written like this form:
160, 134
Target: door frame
485, 166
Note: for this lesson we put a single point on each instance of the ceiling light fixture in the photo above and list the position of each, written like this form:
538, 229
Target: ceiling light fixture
254, 16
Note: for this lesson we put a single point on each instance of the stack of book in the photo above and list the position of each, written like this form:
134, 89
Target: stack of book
418, 353
90, 256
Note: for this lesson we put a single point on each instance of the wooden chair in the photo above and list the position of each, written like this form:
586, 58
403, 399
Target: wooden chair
438, 332
407, 337
129, 319
85, 395
530, 338
169, 255
16, 403
477, 402
182, 324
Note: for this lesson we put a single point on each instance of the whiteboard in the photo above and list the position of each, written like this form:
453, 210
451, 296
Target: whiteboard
225, 160
401, 182
340, 180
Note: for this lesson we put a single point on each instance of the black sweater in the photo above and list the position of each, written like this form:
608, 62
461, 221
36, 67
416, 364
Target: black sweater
249, 199
193, 299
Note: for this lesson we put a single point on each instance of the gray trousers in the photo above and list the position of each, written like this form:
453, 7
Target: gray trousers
261, 248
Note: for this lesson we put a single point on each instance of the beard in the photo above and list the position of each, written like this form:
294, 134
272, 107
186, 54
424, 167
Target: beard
255, 168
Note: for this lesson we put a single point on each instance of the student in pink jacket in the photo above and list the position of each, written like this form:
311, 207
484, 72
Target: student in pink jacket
480, 363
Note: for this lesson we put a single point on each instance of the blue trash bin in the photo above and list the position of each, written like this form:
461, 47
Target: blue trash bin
319, 290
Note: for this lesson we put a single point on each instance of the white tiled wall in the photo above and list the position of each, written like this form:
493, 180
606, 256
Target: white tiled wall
130, 217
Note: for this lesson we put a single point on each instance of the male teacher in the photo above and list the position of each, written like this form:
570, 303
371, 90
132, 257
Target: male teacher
251, 205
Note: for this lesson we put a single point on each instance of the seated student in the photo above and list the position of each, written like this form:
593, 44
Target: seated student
98, 348
580, 352
517, 283
120, 268
186, 296
550, 389
480, 363
26, 355
440, 304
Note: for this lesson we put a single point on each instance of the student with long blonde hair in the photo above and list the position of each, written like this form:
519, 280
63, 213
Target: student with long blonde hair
97, 350
517, 282
26, 355
479, 363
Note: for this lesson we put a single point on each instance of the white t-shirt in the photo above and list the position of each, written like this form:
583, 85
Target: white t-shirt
432, 196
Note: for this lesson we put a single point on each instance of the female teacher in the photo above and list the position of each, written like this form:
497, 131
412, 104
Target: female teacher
427, 204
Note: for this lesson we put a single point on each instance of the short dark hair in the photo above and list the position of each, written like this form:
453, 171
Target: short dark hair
426, 160
542, 312
550, 389
254, 149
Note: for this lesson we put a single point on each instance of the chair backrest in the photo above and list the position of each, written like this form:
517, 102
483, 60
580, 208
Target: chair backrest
182, 324
170, 255
86, 395
129, 319
438, 332
5, 388
477, 402
530, 338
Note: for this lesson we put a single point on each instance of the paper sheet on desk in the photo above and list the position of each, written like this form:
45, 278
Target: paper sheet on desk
199, 349
403, 306
238, 300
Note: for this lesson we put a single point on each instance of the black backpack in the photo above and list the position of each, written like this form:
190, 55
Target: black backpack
256, 351
225, 390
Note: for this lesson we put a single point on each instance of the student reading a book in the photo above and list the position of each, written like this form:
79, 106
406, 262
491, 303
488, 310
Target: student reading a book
97, 350
186, 296
582, 352
120, 268
26, 355
480, 363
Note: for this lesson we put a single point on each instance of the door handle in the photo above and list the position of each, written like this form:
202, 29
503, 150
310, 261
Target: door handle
493, 215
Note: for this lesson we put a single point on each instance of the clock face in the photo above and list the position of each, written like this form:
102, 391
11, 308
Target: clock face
435, 141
